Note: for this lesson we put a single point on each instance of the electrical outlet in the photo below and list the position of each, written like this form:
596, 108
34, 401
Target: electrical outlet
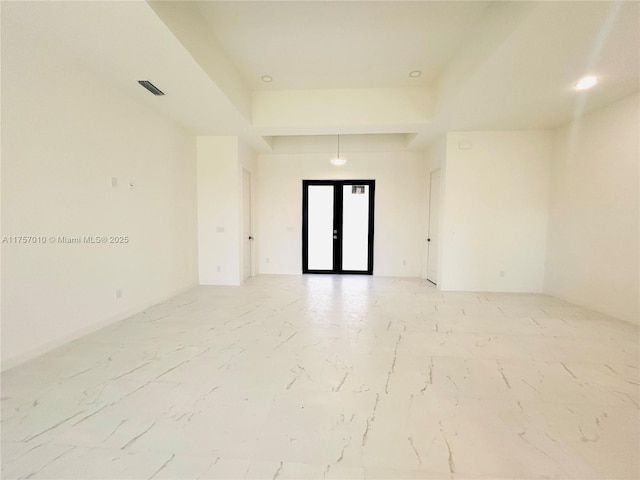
118, 293
219, 268
501, 273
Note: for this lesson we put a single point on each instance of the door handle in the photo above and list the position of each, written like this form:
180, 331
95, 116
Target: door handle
250, 238
428, 239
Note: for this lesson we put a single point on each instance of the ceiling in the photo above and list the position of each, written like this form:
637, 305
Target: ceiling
309, 45
343, 66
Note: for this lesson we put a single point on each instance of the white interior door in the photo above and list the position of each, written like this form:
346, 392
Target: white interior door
246, 224
434, 224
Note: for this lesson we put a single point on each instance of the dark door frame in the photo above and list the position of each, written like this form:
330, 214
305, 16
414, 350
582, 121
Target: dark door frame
337, 225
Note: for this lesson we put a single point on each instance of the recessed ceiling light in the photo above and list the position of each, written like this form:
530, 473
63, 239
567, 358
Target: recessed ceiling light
415, 74
267, 78
586, 82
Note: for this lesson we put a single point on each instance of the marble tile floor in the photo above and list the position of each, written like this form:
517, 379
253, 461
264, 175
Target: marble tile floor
326, 377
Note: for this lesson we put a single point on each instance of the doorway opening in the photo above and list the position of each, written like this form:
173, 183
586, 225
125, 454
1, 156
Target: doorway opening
337, 226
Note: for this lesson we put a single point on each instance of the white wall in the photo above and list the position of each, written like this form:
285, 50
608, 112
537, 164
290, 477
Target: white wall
436, 154
219, 193
65, 134
593, 239
400, 215
351, 109
494, 216
220, 164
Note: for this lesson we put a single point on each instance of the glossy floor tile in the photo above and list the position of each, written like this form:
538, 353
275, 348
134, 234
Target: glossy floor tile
328, 377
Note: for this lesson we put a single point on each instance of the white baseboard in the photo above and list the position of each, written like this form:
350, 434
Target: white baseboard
94, 327
596, 308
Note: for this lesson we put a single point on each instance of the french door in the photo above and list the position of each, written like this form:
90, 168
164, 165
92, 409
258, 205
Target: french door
337, 226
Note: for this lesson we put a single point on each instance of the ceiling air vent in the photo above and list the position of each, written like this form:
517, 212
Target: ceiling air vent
151, 87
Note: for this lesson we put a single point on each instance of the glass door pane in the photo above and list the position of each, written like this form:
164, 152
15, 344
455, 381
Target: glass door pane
320, 227
355, 227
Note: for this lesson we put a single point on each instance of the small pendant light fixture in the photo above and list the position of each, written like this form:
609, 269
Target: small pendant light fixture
338, 161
